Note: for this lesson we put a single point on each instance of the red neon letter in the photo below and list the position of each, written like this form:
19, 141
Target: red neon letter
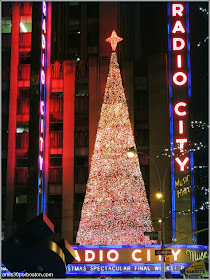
44, 8
42, 77
177, 111
42, 125
181, 143
178, 27
183, 77
44, 25
179, 60
181, 127
43, 60
175, 42
91, 257
40, 162
42, 108
112, 252
175, 254
43, 41
134, 255
177, 9
182, 163
41, 144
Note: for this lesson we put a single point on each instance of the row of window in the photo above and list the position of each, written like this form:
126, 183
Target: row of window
55, 173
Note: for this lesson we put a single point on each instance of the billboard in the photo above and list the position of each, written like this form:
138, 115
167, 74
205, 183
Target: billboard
182, 165
131, 259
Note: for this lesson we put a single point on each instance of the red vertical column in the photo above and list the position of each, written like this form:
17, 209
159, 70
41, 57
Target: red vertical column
68, 151
12, 118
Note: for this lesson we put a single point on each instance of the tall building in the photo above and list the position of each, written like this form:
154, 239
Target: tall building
48, 169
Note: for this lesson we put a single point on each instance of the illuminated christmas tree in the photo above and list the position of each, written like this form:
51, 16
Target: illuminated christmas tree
115, 209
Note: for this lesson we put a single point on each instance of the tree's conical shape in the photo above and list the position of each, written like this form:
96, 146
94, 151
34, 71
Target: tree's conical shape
115, 209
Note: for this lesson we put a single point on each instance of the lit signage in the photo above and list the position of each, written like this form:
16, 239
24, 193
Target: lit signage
131, 259
182, 165
40, 200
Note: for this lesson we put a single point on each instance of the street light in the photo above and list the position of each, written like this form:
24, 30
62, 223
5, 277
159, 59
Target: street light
160, 195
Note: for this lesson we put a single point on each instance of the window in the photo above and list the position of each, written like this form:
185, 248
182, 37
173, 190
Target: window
56, 160
6, 25
81, 138
21, 175
26, 24
55, 175
22, 140
56, 139
23, 106
21, 199
56, 105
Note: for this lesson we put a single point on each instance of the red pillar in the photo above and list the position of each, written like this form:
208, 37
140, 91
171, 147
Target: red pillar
68, 151
12, 118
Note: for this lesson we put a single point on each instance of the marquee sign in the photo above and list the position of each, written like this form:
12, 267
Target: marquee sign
131, 259
182, 165
40, 200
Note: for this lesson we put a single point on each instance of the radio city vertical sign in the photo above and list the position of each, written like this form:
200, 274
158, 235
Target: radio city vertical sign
182, 165
40, 199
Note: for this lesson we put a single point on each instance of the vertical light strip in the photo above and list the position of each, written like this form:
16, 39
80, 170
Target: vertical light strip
41, 200
173, 198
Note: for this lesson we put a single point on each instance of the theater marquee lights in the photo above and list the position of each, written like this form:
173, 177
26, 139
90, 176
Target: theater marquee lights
40, 200
131, 259
182, 165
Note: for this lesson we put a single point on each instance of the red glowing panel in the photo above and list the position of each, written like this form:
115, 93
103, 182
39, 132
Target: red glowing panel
179, 78
177, 110
181, 127
114, 40
178, 27
181, 143
177, 9
182, 163
179, 60
178, 44
42, 108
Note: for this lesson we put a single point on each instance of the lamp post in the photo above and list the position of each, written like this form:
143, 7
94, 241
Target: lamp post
131, 153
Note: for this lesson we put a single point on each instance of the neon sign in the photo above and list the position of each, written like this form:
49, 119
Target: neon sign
131, 259
40, 199
179, 99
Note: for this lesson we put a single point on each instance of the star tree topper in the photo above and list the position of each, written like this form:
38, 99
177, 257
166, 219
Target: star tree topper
114, 40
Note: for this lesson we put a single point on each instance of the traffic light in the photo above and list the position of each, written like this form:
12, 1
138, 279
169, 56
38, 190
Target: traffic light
167, 260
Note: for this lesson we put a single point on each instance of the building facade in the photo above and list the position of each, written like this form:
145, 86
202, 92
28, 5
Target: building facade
76, 67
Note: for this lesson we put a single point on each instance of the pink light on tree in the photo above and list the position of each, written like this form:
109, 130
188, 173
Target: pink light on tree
115, 209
